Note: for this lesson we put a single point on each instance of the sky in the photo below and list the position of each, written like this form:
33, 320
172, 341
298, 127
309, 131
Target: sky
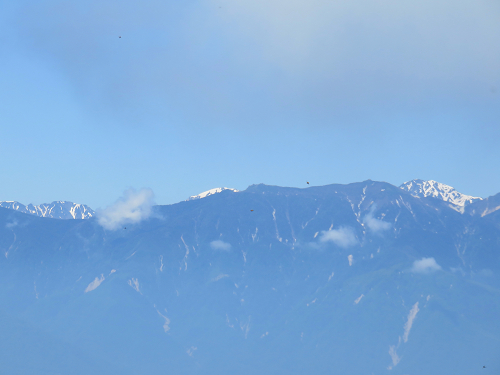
199, 94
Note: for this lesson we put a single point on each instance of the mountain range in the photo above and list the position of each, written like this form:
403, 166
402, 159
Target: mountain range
55, 210
363, 278
69, 210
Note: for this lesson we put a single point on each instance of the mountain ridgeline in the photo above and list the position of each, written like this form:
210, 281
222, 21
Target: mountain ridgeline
364, 278
55, 210
421, 189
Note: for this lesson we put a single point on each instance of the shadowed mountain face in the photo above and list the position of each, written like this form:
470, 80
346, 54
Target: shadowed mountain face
341, 279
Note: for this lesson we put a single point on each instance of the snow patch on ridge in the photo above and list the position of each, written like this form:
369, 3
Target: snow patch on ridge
166, 326
350, 259
134, 283
357, 300
411, 317
430, 188
407, 327
210, 192
394, 356
54, 210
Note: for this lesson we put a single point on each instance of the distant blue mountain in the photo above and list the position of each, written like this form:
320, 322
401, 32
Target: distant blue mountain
363, 278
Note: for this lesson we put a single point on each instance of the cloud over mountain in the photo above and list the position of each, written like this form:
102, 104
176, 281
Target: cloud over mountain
343, 237
133, 207
374, 224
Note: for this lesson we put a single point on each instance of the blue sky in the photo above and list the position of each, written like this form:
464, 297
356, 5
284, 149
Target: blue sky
209, 93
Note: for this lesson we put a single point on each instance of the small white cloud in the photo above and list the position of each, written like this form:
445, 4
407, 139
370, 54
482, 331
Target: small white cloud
425, 265
132, 208
343, 237
94, 284
220, 245
375, 225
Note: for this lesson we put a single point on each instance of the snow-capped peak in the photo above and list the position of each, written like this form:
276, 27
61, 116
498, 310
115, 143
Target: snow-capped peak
210, 192
55, 210
431, 188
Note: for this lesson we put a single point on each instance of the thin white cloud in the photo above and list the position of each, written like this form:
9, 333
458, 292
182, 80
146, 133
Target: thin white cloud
425, 265
94, 284
411, 317
132, 208
220, 245
343, 237
374, 224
